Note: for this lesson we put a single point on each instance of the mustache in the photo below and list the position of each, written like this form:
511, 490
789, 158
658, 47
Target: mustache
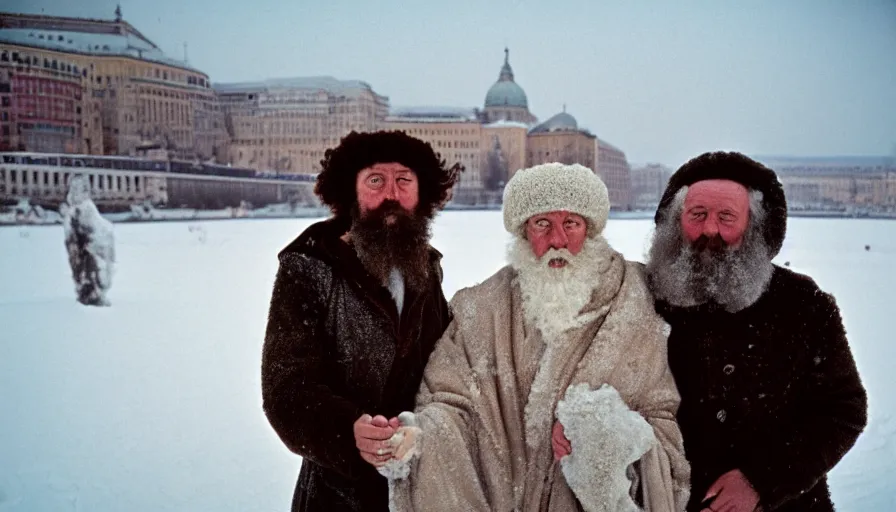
553, 253
713, 243
387, 207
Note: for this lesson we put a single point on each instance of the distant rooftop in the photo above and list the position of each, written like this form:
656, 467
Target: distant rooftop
606, 144
562, 122
503, 123
82, 36
828, 165
327, 83
433, 114
826, 161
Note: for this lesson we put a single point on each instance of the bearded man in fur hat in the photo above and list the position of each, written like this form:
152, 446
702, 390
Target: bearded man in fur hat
550, 390
770, 396
356, 310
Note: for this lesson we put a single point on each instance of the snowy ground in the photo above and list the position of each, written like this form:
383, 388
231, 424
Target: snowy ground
153, 404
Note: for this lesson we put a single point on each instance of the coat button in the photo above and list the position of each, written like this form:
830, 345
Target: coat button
728, 369
721, 415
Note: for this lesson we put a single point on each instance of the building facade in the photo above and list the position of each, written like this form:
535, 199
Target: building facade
648, 184
559, 139
286, 125
507, 139
44, 104
455, 134
131, 93
613, 169
837, 184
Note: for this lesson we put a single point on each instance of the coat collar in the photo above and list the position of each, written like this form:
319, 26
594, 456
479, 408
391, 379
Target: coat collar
323, 241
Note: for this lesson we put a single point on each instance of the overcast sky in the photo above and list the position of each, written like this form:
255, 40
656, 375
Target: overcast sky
664, 81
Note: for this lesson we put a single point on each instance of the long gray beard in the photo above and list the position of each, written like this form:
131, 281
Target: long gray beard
554, 297
683, 277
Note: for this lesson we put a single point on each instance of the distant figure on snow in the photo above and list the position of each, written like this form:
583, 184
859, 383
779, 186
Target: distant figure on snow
90, 242
357, 307
550, 390
770, 396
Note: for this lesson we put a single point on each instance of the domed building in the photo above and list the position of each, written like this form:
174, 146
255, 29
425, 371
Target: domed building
506, 100
560, 139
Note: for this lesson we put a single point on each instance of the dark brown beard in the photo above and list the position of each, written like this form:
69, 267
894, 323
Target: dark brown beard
403, 244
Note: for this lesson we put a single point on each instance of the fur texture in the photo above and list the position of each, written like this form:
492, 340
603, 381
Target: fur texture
607, 438
335, 348
553, 187
733, 278
735, 167
772, 390
554, 297
336, 182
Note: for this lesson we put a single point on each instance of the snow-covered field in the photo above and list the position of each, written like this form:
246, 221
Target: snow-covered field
154, 404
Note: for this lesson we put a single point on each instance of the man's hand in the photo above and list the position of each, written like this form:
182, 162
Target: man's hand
372, 438
732, 492
559, 442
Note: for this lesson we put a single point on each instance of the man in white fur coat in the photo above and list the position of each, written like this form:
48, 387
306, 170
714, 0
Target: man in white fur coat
550, 390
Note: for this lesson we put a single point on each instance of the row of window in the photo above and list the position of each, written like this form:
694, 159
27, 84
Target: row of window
45, 87
48, 128
427, 132
154, 73
170, 76
279, 141
34, 60
167, 112
125, 164
97, 182
200, 99
48, 104
457, 144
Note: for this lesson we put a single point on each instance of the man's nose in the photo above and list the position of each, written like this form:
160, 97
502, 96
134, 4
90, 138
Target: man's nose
390, 190
558, 239
710, 228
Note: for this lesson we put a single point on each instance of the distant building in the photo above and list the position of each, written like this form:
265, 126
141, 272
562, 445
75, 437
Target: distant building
497, 141
559, 139
512, 141
454, 133
849, 184
506, 100
648, 184
287, 124
100, 86
613, 169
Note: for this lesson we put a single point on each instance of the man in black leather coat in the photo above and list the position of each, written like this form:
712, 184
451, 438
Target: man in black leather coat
357, 307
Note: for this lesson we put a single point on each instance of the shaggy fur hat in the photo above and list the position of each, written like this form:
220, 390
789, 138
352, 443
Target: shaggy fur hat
736, 167
553, 187
340, 167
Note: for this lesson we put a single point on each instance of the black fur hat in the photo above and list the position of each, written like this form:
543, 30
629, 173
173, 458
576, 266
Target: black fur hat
737, 167
340, 167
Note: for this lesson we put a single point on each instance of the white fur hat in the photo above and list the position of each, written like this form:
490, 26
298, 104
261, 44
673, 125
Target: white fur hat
553, 187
